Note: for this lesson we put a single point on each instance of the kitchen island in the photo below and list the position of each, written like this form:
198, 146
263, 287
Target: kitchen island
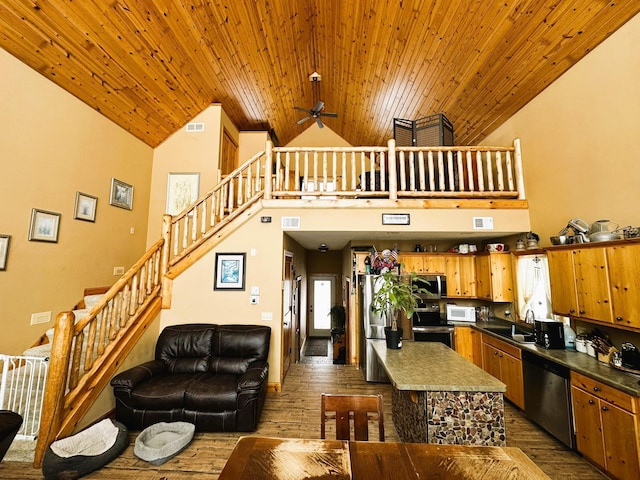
440, 397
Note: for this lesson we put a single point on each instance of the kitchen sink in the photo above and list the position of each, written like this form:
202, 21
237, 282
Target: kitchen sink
520, 336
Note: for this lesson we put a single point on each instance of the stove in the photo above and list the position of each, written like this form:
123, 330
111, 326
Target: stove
430, 326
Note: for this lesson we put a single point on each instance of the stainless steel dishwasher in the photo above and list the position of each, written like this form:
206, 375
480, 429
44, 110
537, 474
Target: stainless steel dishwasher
547, 396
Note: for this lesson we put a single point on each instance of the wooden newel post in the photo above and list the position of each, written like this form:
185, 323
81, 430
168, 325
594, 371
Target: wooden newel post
518, 168
53, 401
268, 171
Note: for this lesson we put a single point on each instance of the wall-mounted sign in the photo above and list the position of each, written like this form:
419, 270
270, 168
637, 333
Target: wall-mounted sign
396, 219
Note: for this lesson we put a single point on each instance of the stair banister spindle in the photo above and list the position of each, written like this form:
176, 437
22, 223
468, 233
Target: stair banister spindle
421, 171
470, 171
499, 171
441, 179
480, 171
450, 170
432, 172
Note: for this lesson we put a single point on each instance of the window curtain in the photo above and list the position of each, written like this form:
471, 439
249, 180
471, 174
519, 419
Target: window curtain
534, 287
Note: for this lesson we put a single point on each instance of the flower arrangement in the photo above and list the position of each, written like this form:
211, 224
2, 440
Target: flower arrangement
383, 262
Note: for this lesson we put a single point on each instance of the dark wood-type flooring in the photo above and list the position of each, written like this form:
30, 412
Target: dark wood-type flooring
295, 413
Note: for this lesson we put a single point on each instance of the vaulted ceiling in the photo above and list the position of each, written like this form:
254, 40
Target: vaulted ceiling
152, 65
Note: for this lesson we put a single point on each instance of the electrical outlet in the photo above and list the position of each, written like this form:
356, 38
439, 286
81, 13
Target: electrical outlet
266, 316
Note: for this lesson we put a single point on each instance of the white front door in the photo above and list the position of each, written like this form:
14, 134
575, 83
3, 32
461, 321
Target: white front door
322, 297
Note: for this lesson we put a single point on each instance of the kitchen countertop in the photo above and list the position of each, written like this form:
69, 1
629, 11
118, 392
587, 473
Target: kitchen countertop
427, 366
576, 361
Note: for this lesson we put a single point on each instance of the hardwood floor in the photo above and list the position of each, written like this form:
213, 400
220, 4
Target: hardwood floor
295, 413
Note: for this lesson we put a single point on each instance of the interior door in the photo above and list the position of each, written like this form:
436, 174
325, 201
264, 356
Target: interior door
322, 297
287, 312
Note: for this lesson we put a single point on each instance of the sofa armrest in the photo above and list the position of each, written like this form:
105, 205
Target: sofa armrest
254, 377
128, 379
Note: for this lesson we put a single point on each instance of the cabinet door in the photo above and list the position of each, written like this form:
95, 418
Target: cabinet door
563, 282
468, 275
624, 265
620, 442
476, 340
411, 262
434, 264
592, 284
501, 277
588, 426
491, 360
464, 344
483, 277
452, 271
511, 372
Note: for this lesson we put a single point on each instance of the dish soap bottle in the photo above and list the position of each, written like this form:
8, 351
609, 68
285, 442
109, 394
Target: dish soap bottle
569, 337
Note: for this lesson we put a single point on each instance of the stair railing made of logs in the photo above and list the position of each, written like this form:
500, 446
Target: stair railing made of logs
86, 353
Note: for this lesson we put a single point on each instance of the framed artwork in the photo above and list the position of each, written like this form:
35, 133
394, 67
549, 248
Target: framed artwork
4, 250
229, 274
85, 208
121, 194
44, 226
182, 191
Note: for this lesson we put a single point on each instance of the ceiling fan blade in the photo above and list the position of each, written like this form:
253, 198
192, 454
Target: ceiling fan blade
318, 108
301, 109
333, 115
319, 122
302, 120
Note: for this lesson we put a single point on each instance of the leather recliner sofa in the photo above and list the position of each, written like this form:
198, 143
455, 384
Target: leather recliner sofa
214, 376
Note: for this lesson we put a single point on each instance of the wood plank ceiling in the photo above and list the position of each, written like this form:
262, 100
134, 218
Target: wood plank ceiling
152, 65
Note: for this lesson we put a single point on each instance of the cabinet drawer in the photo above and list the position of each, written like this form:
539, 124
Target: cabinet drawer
500, 345
605, 392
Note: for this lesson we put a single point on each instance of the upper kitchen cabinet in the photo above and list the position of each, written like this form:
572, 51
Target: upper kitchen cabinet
411, 262
460, 271
494, 277
562, 278
624, 268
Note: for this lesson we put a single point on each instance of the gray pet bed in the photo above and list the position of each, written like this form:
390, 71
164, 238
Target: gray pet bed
162, 441
74, 457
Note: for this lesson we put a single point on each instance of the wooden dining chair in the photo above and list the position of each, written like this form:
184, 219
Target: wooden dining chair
360, 408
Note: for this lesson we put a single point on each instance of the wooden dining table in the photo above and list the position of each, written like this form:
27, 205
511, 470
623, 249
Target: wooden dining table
258, 458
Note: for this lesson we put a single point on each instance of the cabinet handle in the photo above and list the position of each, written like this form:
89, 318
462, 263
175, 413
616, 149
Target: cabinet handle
596, 389
591, 402
605, 409
572, 310
582, 312
619, 319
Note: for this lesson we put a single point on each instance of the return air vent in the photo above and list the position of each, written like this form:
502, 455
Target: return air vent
195, 127
483, 223
289, 223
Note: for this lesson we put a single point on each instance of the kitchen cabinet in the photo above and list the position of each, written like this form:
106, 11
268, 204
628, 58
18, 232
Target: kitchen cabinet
606, 426
468, 343
579, 281
460, 271
411, 262
433, 263
494, 277
624, 268
359, 262
504, 361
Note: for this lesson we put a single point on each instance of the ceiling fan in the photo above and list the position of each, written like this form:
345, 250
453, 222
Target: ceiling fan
317, 111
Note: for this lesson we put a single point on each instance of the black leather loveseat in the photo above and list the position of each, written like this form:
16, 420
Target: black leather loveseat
214, 376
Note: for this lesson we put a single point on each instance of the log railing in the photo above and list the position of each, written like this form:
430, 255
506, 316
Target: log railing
86, 351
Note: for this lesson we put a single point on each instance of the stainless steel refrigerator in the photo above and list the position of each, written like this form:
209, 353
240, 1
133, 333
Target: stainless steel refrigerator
371, 327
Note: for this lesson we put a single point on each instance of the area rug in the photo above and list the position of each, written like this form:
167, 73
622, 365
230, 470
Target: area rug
316, 347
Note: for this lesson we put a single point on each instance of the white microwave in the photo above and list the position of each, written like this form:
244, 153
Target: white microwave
456, 313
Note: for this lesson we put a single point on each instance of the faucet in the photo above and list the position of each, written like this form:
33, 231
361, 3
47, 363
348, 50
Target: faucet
529, 317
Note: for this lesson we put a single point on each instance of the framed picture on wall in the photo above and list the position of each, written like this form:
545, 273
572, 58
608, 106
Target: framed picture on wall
44, 226
229, 273
85, 208
121, 194
182, 191
4, 250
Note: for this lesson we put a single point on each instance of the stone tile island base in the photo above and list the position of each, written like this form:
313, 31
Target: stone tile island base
451, 418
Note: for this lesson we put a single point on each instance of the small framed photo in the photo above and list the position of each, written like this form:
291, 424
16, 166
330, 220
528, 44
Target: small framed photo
85, 208
121, 194
229, 274
4, 250
182, 191
44, 226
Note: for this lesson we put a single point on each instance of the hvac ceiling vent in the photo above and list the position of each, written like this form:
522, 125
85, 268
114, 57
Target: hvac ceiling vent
195, 127
290, 223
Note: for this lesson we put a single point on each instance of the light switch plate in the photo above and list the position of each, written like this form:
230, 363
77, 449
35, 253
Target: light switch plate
255, 290
267, 316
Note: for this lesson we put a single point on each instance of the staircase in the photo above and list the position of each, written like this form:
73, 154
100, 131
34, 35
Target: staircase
111, 329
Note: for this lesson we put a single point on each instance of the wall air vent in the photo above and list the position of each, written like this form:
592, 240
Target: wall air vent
483, 223
195, 127
290, 223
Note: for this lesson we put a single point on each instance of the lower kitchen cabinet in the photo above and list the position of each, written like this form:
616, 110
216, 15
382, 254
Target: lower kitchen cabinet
469, 344
504, 361
606, 426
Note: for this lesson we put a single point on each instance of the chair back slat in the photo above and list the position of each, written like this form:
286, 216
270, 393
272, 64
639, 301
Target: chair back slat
358, 410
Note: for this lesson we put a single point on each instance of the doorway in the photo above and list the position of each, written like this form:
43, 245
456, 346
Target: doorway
321, 298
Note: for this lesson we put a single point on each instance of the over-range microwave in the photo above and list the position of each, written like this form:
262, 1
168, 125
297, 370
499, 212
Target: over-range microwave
457, 313
433, 286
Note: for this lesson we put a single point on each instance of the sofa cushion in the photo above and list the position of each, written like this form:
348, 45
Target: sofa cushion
212, 393
185, 348
163, 392
235, 347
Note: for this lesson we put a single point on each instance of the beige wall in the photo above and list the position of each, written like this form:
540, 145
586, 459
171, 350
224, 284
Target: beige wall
53, 146
580, 139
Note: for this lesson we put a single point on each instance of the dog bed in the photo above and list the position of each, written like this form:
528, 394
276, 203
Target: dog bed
162, 441
86, 451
